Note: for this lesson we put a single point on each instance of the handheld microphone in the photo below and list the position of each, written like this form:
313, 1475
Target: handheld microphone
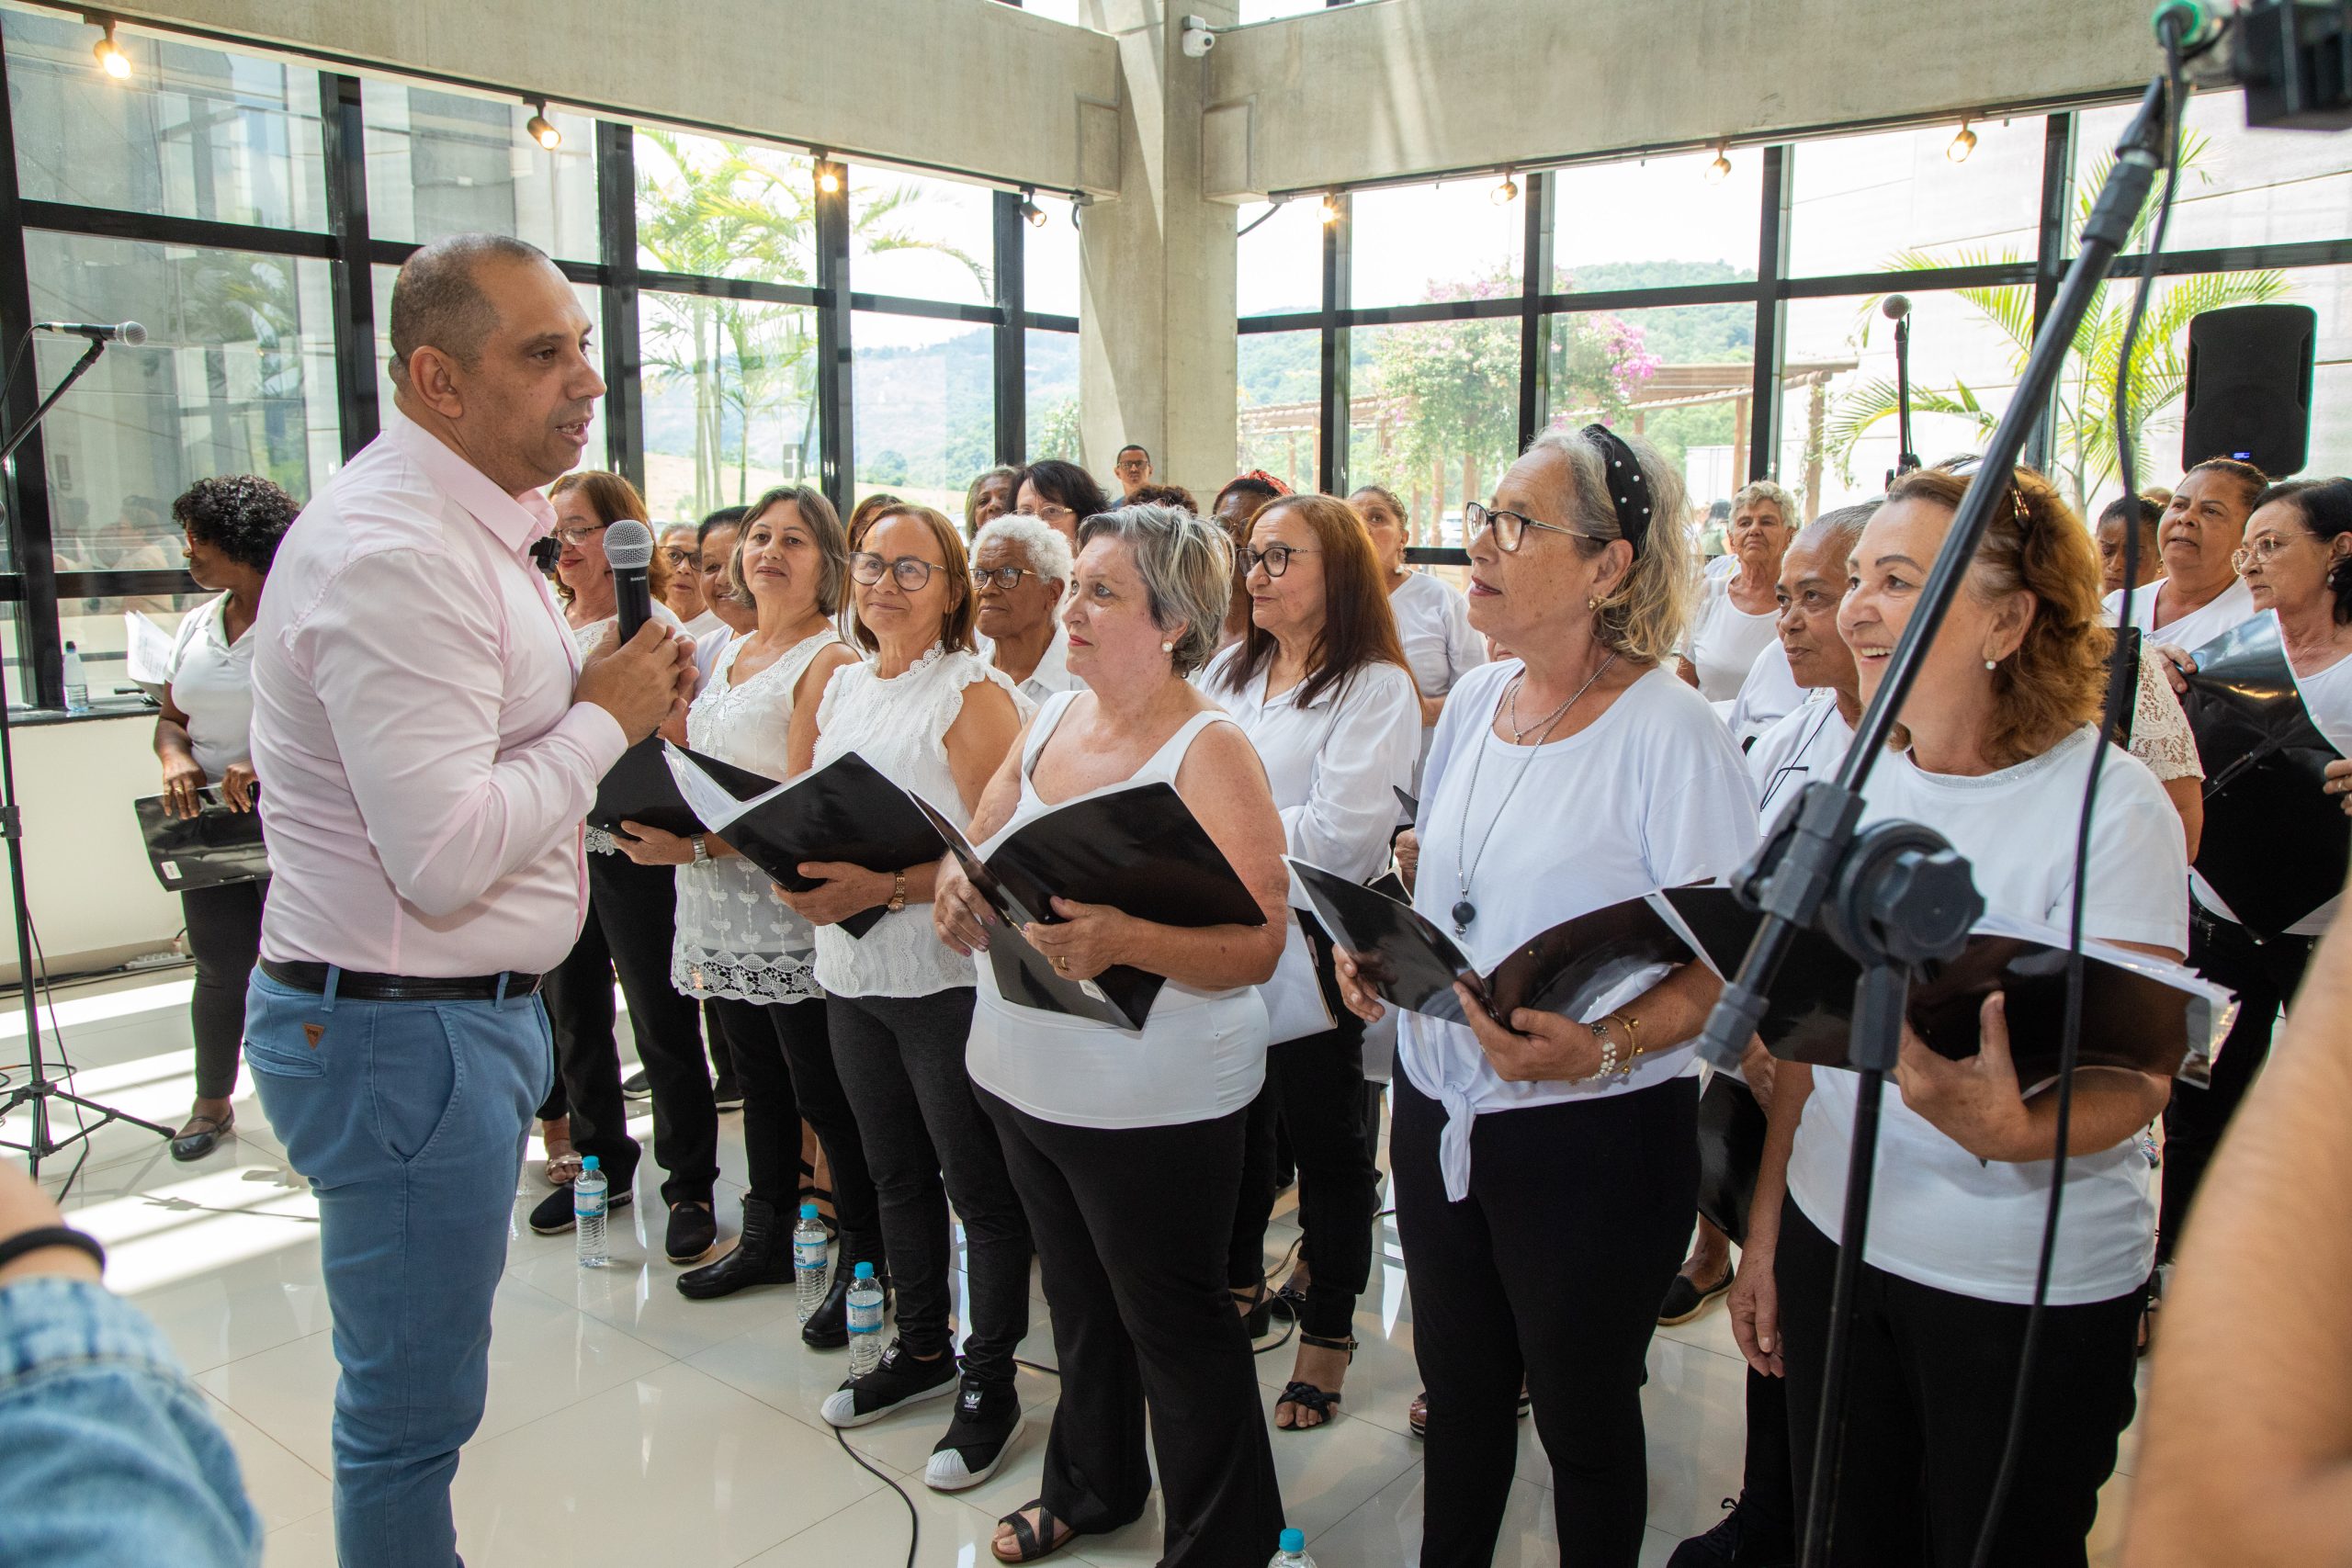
1895, 307
628, 550
130, 335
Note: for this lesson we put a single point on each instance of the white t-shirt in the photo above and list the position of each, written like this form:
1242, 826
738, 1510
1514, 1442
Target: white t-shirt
1940, 1216
1801, 747
1335, 768
1724, 640
211, 681
1433, 623
1770, 693
2327, 697
1651, 795
2192, 631
702, 625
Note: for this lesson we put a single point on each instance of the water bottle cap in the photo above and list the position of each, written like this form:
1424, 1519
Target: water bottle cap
864, 1272
1293, 1540
590, 1164
808, 1210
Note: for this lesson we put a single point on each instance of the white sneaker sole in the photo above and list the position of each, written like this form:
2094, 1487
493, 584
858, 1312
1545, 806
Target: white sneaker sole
841, 1406
946, 1472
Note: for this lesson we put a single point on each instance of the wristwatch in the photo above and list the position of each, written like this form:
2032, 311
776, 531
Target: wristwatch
702, 849
897, 893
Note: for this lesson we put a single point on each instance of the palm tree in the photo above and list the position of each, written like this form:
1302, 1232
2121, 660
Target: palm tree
2083, 455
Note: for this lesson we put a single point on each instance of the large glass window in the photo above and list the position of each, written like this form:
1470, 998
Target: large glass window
1896, 201
1279, 379
2239, 186
725, 208
922, 239
442, 163
729, 401
1414, 244
1050, 389
1279, 262
1656, 223
1434, 415
1682, 376
1050, 259
926, 407
237, 376
192, 132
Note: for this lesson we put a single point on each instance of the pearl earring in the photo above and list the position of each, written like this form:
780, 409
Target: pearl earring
1591, 603
1991, 664
1167, 648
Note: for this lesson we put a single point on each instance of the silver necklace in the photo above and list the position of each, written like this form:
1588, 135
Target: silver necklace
1463, 910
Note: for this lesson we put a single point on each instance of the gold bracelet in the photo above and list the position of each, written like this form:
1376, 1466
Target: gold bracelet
1632, 1034
897, 893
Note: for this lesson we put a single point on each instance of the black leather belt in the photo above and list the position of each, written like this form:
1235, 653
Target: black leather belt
362, 988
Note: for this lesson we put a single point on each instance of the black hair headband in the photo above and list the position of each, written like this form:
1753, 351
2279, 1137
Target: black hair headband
1629, 488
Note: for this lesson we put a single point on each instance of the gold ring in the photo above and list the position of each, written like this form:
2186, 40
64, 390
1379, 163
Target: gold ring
1062, 963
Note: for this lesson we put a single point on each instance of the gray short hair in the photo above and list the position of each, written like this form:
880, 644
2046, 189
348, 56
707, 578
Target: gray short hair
1047, 551
1792, 511
1187, 569
1644, 616
1840, 529
438, 299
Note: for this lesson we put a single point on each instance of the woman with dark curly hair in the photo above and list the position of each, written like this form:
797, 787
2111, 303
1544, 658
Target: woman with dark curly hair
233, 525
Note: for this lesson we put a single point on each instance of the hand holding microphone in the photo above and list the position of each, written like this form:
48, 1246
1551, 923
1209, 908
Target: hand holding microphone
641, 674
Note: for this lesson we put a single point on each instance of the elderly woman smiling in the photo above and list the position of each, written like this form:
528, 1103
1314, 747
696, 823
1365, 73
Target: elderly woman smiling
1020, 573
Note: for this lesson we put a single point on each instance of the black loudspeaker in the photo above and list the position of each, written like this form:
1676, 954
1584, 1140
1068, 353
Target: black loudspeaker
2250, 387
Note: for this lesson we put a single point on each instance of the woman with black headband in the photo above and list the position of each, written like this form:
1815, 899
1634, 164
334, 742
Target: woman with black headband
1547, 1167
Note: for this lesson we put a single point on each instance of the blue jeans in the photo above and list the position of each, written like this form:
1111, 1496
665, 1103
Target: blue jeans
407, 1119
110, 1454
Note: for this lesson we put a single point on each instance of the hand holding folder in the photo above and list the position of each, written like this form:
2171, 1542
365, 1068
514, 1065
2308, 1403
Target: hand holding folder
220, 844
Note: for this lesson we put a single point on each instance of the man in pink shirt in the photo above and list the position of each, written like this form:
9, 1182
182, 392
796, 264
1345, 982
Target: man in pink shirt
432, 743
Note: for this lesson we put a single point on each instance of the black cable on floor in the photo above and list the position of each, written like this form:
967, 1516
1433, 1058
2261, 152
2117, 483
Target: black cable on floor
914, 1521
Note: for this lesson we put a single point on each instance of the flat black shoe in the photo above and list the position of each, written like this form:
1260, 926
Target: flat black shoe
554, 1216
1733, 1543
763, 1256
1686, 1298
986, 1423
898, 1380
202, 1135
634, 1086
828, 1327
693, 1231
727, 1093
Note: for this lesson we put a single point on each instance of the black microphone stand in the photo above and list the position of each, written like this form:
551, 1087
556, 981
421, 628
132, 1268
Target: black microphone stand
42, 1087
1906, 460
1897, 895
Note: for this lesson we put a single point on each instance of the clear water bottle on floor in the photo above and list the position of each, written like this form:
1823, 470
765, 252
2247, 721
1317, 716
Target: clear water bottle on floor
864, 1321
808, 1260
77, 681
1291, 1551
589, 1193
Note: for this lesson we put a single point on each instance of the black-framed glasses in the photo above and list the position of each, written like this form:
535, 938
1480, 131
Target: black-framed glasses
1274, 559
910, 572
1005, 577
677, 555
1510, 527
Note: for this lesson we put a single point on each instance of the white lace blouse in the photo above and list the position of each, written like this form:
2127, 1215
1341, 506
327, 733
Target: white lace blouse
899, 726
735, 937
596, 840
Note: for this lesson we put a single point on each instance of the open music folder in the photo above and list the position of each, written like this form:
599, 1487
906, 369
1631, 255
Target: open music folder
846, 811
1139, 850
641, 788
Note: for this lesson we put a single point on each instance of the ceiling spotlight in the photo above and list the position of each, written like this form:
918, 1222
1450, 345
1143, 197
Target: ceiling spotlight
1720, 169
110, 58
1507, 192
1962, 145
1031, 210
829, 174
1330, 209
541, 129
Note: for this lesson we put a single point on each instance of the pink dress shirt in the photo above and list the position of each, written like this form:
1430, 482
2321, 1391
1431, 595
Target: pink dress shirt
427, 768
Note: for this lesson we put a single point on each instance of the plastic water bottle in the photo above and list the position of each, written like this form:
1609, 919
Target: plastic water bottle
1291, 1551
588, 1205
864, 1321
808, 1260
77, 681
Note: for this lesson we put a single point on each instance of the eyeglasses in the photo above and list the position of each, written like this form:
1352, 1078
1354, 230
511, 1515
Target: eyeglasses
1510, 527
581, 534
910, 571
1275, 559
1005, 577
2260, 551
676, 555
1049, 512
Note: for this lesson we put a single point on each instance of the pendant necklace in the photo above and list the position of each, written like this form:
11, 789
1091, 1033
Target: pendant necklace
1463, 910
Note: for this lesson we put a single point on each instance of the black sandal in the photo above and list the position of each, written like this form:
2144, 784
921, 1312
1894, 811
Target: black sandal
1024, 1534
1259, 1319
1305, 1395
820, 1196
1288, 1301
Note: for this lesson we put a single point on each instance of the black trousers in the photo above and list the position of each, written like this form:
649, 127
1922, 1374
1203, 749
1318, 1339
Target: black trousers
1731, 1147
632, 920
2264, 976
1315, 1090
1131, 1225
1930, 1383
783, 1061
224, 938
928, 1143
1549, 1272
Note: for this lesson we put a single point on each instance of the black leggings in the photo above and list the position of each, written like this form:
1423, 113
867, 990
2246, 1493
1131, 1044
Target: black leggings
1928, 1387
1548, 1274
1131, 1227
784, 1061
224, 938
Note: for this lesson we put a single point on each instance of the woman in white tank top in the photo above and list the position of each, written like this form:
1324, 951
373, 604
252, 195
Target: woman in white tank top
1127, 1150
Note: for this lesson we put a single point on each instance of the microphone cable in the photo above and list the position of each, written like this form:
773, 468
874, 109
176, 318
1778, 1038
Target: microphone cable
2070, 1039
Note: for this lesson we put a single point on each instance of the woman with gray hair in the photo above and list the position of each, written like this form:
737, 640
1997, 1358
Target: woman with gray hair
1547, 1167
1020, 573
1095, 1121
1737, 609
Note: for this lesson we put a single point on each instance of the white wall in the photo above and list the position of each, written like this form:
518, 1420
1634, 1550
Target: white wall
93, 894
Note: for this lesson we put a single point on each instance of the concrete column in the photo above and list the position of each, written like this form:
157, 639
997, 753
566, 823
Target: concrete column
1157, 308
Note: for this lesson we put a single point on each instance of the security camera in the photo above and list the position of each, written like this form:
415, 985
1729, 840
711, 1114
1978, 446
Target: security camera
1198, 38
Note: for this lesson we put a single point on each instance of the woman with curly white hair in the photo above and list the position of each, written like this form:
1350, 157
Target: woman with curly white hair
1021, 570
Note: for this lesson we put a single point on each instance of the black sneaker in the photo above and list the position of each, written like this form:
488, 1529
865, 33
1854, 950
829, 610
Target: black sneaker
727, 1093
694, 1231
1686, 1298
1733, 1543
554, 1216
634, 1086
987, 1421
898, 1380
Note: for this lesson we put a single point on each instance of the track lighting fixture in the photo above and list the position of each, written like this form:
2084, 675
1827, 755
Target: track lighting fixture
1031, 210
110, 55
1962, 145
540, 128
1508, 191
1720, 169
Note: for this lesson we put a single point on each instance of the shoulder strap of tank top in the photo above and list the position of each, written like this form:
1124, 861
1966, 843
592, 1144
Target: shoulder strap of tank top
1166, 762
1041, 727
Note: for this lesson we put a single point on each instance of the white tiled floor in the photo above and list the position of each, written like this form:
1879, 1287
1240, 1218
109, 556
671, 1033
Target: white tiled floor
626, 1425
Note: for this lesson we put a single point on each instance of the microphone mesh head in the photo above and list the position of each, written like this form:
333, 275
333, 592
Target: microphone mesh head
133, 334
1895, 307
628, 545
